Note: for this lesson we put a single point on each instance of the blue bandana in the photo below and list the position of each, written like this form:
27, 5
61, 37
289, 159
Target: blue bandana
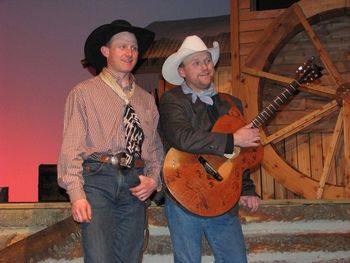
204, 96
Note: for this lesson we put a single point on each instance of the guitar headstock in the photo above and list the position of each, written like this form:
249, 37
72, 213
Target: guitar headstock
309, 71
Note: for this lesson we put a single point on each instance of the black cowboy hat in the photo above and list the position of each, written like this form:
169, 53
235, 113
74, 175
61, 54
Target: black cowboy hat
101, 35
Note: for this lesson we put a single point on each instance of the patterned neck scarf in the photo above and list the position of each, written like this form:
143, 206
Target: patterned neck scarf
204, 96
134, 135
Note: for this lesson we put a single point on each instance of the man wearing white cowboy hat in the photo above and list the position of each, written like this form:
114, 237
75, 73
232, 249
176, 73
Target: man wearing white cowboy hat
111, 155
187, 115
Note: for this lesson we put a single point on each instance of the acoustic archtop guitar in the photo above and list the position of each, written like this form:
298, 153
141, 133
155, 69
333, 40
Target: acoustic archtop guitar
210, 185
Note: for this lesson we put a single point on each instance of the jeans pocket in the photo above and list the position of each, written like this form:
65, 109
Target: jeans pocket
90, 169
133, 178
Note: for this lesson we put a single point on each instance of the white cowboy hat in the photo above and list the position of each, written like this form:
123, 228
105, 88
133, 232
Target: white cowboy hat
191, 44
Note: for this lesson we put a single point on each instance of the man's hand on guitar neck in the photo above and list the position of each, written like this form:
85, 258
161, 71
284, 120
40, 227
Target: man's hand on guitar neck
247, 136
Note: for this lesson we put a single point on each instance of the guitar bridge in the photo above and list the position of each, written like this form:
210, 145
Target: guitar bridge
210, 169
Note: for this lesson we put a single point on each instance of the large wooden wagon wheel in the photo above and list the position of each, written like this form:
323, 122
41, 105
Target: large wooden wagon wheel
334, 98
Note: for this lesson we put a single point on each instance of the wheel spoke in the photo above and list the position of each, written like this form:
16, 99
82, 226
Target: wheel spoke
325, 91
336, 76
302, 123
335, 142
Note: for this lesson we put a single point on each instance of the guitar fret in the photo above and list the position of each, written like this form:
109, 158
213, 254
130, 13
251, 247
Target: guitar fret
268, 111
271, 111
254, 124
262, 116
289, 91
280, 100
268, 114
262, 121
284, 96
273, 106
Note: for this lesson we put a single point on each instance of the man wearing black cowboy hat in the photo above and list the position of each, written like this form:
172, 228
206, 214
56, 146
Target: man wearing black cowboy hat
111, 155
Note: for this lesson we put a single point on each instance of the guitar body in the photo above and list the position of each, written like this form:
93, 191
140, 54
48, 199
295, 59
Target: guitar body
198, 192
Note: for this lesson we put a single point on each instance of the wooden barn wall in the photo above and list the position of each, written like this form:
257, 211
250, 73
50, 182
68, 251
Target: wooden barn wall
307, 149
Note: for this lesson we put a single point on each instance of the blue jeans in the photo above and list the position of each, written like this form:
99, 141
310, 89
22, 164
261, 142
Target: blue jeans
223, 233
116, 231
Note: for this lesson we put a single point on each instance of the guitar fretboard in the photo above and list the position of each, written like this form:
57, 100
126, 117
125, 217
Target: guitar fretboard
271, 109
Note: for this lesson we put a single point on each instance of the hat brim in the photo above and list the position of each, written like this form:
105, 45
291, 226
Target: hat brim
171, 64
101, 35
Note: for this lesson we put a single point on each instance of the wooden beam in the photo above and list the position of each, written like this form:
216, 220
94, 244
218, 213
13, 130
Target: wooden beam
311, 88
235, 57
43, 244
330, 154
337, 78
302, 123
346, 112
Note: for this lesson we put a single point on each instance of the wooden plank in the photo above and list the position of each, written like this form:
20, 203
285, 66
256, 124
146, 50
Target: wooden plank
235, 57
300, 102
250, 37
288, 116
42, 245
244, 49
316, 158
253, 25
268, 190
255, 15
48, 205
291, 151
320, 127
224, 81
280, 190
304, 154
346, 114
291, 156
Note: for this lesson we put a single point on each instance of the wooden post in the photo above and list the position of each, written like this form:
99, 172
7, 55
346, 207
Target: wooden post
346, 123
235, 57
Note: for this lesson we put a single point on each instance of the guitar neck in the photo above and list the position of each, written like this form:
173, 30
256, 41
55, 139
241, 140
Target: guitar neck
271, 109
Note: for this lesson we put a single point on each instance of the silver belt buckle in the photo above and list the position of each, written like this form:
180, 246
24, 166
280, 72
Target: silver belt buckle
113, 160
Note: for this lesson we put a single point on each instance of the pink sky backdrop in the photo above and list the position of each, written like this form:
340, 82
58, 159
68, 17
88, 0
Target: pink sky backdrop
40, 51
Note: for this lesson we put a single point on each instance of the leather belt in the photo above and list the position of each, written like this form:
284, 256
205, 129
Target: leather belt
118, 159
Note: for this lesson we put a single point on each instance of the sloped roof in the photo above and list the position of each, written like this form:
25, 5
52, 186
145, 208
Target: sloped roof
178, 29
164, 47
170, 34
